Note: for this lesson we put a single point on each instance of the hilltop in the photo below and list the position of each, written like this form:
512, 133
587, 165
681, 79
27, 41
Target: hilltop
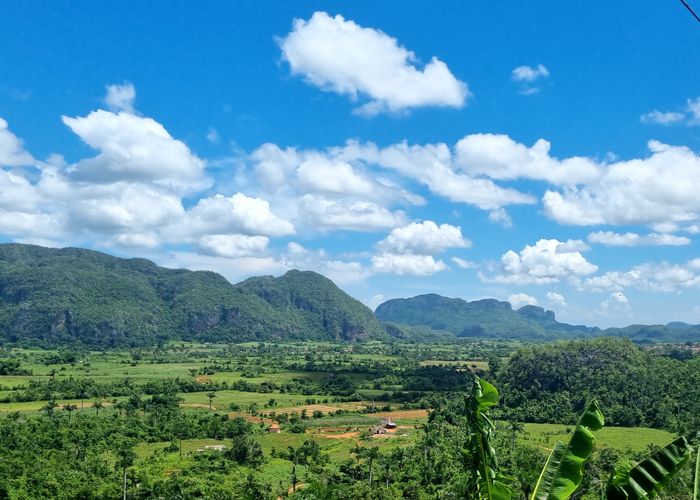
59, 296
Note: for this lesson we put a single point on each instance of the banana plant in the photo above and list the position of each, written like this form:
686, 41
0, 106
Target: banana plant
647, 478
563, 470
486, 484
696, 489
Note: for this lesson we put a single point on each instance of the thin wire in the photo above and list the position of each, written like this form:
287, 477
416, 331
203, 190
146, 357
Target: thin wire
690, 9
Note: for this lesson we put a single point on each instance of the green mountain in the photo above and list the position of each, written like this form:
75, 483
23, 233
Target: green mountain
59, 296
494, 319
315, 300
480, 318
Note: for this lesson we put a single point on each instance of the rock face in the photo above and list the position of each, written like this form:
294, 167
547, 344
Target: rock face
71, 295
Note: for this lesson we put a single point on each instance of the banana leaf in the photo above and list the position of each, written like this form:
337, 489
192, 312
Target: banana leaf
696, 489
651, 475
563, 471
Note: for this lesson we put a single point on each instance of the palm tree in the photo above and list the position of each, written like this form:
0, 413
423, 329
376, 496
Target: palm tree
82, 395
371, 454
49, 407
125, 459
70, 409
294, 454
97, 405
211, 396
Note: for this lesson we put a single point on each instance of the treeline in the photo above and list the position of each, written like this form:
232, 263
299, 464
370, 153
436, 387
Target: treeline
635, 387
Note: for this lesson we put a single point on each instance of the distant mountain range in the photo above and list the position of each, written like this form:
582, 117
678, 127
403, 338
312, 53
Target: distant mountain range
491, 318
67, 296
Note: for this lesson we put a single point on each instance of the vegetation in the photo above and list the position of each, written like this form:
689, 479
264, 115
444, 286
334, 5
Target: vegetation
68, 296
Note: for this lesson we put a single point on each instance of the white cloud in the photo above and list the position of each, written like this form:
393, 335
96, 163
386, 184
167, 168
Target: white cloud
340, 56
323, 213
232, 215
661, 188
693, 108
464, 264
610, 238
517, 300
213, 135
412, 265
233, 245
432, 165
500, 157
501, 216
655, 277
12, 153
321, 175
143, 240
556, 299
134, 148
546, 261
423, 238
662, 117
121, 97
616, 303
529, 74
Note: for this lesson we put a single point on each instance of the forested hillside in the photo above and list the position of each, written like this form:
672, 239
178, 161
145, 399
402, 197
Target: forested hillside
491, 318
57, 296
480, 318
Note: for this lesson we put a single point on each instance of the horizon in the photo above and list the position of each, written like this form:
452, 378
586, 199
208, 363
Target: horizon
535, 155
236, 283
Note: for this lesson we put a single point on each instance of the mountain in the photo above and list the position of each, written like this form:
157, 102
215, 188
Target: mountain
480, 318
494, 319
316, 301
71, 295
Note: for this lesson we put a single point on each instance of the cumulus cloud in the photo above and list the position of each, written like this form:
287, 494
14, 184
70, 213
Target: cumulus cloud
518, 300
408, 264
338, 55
231, 215
233, 245
650, 276
12, 153
610, 238
423, 238
500, 157
690, 115
530, 73
134, 148
432, 165
616, 303
327, 214
501, 216
464, 264
661, 188
546, 261
556, 299
121, 97
527, 76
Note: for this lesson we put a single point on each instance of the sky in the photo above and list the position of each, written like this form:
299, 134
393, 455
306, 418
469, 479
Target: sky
538, 152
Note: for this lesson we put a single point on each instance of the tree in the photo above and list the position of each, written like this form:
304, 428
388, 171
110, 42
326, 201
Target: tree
49, 408
98, 405
70, 409
125, 459
211, 396
371, 454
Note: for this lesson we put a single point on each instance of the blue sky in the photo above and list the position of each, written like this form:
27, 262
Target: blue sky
538, 153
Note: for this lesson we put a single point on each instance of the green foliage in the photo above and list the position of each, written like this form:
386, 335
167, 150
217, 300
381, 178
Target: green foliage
563, 472
70, 296
634, 387
481, 318
647, 478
